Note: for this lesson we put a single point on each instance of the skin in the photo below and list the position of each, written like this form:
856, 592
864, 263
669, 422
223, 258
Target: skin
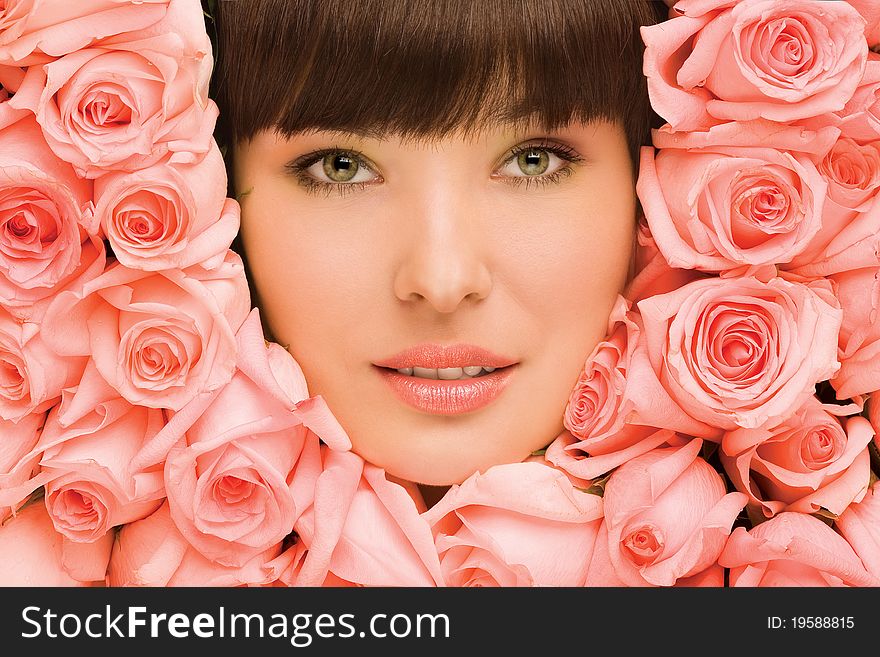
441, 245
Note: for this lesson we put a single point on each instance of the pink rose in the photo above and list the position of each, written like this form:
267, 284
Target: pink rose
645, 539
357, 526
812, 461
782, 60
32, 553
36, 31
860, 526
859, 340
90, 486
718, 211
517, 524
17, 459
152, 552
656, 276
860, 117
792, 549
168, 216
848, 238
33, 376
10, 79
870, 11
228, 480
741, 352
131, 100
43, 243
874, 417
160, 339
757, 133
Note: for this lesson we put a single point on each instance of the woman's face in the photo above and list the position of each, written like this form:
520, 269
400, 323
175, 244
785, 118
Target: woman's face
502, 249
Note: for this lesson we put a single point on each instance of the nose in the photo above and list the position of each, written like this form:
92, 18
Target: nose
444, 255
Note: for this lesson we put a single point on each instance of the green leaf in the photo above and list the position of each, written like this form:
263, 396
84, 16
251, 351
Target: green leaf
825, 516
241, 195
598, 486
539, 452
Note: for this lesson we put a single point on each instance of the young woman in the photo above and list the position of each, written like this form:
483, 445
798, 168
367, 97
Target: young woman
438, 208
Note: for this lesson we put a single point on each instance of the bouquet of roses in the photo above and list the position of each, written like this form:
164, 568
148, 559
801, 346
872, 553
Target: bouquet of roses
723, 433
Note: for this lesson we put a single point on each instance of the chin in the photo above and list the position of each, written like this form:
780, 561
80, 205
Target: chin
442, 469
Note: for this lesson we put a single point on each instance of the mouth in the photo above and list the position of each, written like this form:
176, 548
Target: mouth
447, 391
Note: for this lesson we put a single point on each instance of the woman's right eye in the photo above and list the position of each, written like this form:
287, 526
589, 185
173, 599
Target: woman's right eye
333, 169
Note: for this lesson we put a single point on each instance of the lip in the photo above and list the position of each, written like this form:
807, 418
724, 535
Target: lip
439, 397
437, 356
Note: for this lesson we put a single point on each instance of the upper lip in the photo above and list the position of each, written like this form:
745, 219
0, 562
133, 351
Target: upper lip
438, 356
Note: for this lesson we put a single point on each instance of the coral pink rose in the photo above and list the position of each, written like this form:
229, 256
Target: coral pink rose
860, 526
812, 461
850, 233
131, 100
152, 552
43, 243
90, 487
37, 31
32, 376
32, 553
792, 549
722, 210
159, 339
17, 459
860, 118
645, 539
782, 60
859, 341
168, 216
357, 526
517, 524
741, 352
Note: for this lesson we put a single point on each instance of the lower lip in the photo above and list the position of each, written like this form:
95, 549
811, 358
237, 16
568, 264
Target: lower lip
440, 397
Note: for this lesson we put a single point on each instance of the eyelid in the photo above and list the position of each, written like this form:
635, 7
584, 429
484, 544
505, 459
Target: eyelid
299, 166
560, 149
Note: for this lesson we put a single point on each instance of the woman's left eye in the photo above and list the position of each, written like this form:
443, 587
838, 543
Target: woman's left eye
538, 161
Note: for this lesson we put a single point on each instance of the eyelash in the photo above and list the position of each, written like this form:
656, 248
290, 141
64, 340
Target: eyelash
298, 168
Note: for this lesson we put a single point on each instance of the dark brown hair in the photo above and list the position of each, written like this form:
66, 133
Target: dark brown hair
423, 68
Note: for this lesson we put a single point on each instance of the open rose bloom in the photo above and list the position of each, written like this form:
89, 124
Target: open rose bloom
724, 431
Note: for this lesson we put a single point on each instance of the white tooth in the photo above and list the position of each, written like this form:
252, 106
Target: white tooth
406, 370
489, 369
449, 373
472, 370
425, 372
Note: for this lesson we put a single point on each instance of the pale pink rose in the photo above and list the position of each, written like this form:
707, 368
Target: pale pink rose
732, 208
43, 243
168, 216
850, 233
859, 340
357, 526
780, 60
159, 339
37, 31
131, 100
647, 540
228, 480
152, 552
741, 352
870, 11
860, 526
792, 549
32, 376
17, 459
286, 567
517, 524
32, 553
810, 462
91, 487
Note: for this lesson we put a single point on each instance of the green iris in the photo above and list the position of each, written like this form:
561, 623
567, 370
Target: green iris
340, 167
533, 162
